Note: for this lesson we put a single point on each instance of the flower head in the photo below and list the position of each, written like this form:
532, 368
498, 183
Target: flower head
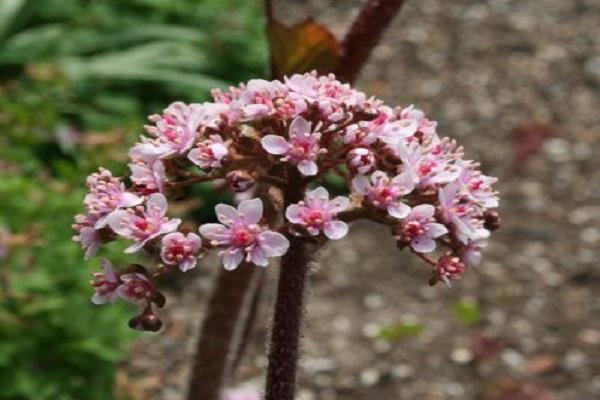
385, 193
209, 154
181, 250
448, 268
317, 214
419, 229
241, 235
143, 224
301, 148
136, 288
105, 284
106, 195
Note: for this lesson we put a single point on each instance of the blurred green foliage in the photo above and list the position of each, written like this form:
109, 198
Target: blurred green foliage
467, 311
77, 79
396, 332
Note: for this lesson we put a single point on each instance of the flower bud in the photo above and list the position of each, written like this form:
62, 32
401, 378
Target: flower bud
239, 180
491, 220
360, 160
146, 321
448, 268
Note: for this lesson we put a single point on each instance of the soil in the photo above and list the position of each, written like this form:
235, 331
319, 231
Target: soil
517, 82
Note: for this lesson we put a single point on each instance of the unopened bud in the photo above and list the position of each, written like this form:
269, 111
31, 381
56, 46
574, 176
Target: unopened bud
491, 220
146, 321
360, 160
239, 180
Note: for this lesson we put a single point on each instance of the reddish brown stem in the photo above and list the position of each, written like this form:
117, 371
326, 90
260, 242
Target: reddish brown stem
364, 34
224, 327
285, 333
216, 337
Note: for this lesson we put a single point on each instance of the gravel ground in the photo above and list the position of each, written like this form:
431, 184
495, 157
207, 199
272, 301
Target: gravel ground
518, 83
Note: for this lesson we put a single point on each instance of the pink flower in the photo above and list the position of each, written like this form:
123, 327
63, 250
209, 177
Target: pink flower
427, 168
419, 229
147, 170
477, 186
302, 148
449, 268
359, 135
360, 160
462, 214
209, 154
107, 194
105, 284
423, 125
244, 238
181, 250
390, 130
471, 253
385, 193
136, 288
176, 129
87, 235
317, 214
143, 225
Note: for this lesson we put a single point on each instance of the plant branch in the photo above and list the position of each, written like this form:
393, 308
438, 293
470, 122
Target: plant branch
285, 334
364, 34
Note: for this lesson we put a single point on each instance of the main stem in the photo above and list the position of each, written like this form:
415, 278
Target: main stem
364, 34
285, 334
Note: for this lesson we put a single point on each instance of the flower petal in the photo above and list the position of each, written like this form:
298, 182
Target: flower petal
274, 144
251, 210
308, 167
119, 222
232, 258
299, 127
274, 244
217, 232
188, 264
361, 185
339, 204
294, 214
131, 200
226, 214
258, 257
423, 244
398, 210
335, 230
435, 230
157, 204
422, 211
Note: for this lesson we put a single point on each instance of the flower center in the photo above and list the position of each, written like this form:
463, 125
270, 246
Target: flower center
413, 229
315, 218
301, 148
242, 237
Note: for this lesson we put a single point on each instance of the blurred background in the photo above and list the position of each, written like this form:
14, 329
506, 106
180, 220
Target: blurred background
517, 82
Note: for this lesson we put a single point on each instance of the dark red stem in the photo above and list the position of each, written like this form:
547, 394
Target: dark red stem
216, 340
363, 36
287, 321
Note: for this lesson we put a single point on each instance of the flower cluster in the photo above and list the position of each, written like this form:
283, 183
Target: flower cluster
284, 135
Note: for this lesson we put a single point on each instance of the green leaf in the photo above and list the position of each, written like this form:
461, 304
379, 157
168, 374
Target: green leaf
9, 9
467, 311
396, 332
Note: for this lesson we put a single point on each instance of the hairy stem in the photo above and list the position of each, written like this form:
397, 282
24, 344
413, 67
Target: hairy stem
285, 334
218, 332
223, 333
364, 34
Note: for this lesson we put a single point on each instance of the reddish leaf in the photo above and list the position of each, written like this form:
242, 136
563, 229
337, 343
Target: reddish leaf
302, 48
528, 140
511, 389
